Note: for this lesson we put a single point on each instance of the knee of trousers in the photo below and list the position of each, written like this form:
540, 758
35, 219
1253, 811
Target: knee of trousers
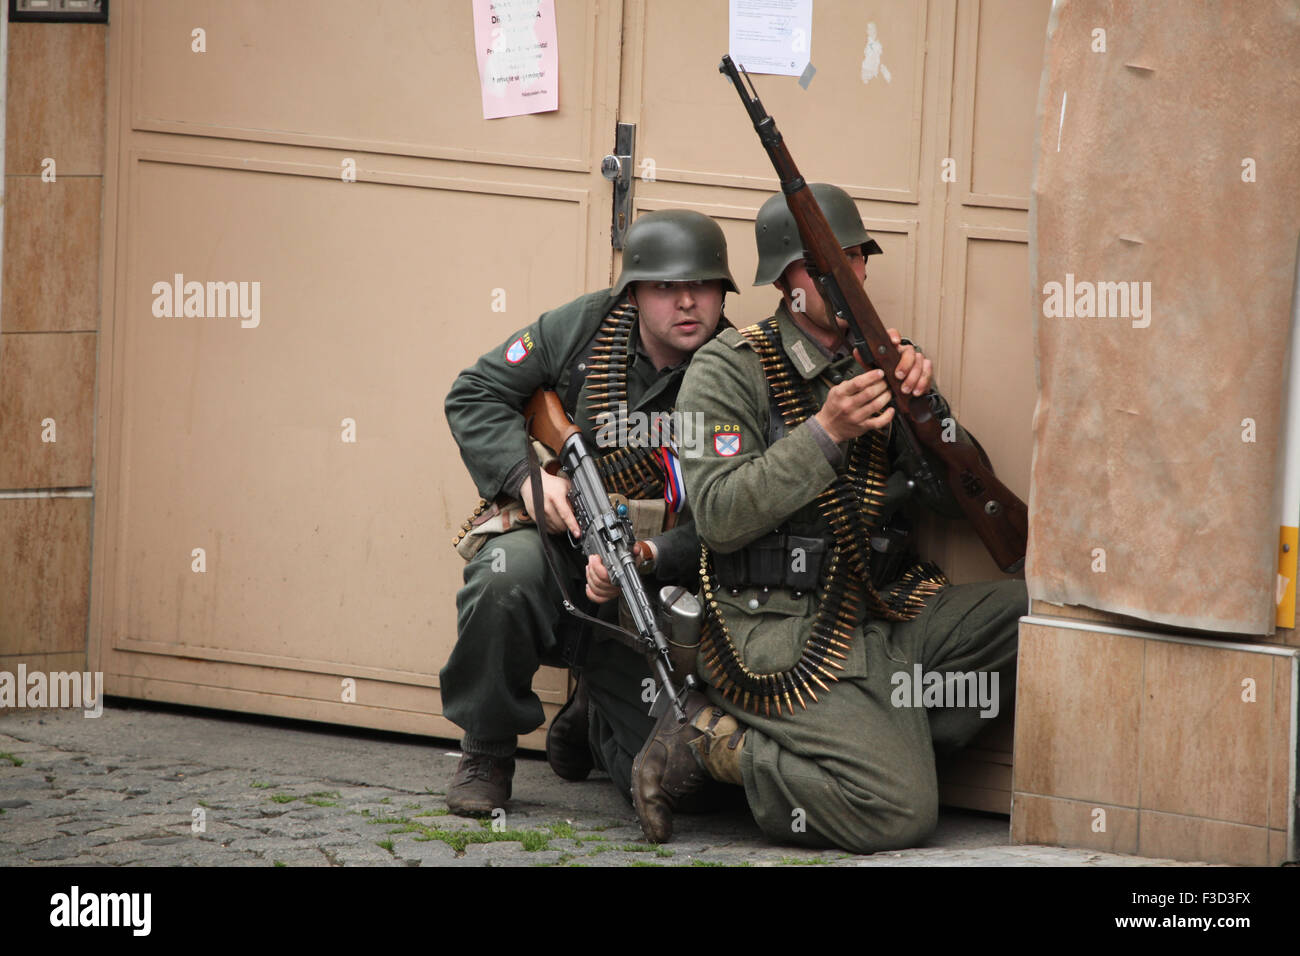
862, 831
880, 828
793, 803
508, 572
506, 613
1013, 596
910, 826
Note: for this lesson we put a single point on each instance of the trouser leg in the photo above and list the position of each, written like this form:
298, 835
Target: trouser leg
508, 613
856, 768
620, 713
851, 770
969, 634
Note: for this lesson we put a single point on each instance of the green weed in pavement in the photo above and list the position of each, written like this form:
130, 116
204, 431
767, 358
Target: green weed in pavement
532, 841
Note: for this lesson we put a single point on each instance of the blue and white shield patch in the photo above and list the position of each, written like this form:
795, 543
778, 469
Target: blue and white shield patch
727, 444
517, 352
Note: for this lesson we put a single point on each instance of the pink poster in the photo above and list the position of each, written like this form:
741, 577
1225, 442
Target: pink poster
518, 66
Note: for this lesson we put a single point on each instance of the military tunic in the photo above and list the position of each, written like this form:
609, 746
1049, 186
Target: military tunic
510, 618
851, 770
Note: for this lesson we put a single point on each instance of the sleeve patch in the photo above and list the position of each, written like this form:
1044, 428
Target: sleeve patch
726, 440
518, 350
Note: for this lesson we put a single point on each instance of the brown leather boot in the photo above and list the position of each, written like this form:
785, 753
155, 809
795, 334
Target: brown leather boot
567, 748
481, 785
673, 766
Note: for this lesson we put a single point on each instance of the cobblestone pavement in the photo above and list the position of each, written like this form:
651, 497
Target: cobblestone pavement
157, 785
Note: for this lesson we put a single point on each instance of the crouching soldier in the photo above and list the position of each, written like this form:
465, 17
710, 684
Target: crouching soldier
813, 602
611, 355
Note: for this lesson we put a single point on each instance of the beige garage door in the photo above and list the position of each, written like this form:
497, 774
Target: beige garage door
276, 493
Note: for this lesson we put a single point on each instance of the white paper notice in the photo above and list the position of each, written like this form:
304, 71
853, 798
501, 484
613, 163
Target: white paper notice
518, 62
771, 36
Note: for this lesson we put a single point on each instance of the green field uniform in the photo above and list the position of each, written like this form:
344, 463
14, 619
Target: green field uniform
851, 770
510, 618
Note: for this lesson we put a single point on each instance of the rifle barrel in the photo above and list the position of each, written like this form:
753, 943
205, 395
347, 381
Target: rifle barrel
998, 516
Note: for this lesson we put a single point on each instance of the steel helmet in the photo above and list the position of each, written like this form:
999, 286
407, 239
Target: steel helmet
674, 245
778, 236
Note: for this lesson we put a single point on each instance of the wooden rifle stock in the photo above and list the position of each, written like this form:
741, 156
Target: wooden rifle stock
998, 516
547, 421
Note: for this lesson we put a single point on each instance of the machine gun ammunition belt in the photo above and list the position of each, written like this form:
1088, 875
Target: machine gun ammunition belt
633, 470
851, 505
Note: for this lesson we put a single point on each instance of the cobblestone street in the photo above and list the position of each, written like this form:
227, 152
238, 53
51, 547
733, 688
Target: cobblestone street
146, 786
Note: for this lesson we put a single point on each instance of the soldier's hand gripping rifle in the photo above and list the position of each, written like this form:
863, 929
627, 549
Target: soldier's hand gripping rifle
607, 532
998, 516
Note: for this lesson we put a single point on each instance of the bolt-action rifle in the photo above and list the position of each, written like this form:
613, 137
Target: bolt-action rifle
998, 516
607, 532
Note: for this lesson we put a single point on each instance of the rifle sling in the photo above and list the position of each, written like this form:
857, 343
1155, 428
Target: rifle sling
623, 635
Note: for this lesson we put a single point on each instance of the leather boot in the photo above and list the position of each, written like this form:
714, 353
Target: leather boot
720, 746
567, 748
481, 785
674, 765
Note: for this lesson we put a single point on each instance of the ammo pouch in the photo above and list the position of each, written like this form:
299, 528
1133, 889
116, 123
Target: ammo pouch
489, 520
773, 561
498, 517
889, 554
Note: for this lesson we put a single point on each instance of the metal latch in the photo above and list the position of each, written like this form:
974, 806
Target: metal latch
617, 168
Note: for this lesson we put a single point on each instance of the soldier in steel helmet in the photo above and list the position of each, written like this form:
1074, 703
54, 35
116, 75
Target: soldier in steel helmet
814, 603
611, 356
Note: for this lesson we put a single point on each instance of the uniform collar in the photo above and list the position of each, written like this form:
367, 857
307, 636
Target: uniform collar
805, 354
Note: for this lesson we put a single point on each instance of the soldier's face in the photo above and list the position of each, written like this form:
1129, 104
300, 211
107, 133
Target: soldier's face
801, 289
677, 317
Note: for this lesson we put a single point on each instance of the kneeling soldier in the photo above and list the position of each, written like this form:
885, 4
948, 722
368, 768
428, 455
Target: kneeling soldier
812, 601
608, 355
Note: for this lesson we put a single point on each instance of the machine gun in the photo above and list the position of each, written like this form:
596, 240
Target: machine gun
607, 532
997, 515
